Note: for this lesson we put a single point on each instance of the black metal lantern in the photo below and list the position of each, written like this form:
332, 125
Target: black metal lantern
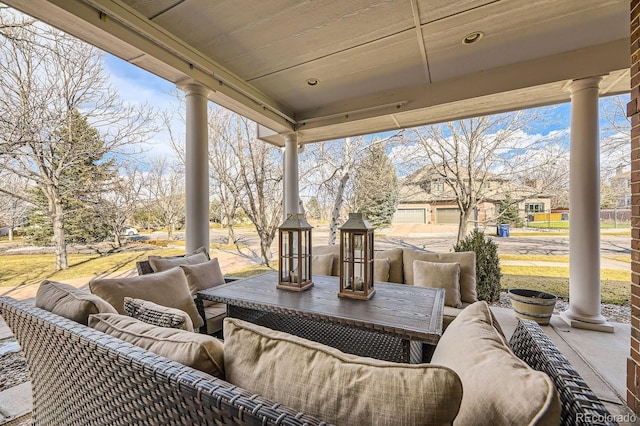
356, 258
294, 269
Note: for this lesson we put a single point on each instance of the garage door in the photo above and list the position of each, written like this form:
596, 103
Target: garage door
447, 215
409, 216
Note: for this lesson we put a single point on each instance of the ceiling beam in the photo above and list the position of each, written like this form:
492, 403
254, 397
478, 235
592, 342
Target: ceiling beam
420, 36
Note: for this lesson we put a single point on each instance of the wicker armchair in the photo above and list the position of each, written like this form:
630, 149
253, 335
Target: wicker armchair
82, 376
144, 267
533, 346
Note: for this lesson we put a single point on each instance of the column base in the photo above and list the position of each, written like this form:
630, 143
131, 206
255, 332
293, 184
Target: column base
576, 323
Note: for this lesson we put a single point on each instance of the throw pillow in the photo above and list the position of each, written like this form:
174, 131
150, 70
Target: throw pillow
330, 249
394, 256
155, 314
381, 270
467, 260
321, 264
70, 302
199, 351
159, 264
491, 374
203, 275
439, 275
168, 288
340, 388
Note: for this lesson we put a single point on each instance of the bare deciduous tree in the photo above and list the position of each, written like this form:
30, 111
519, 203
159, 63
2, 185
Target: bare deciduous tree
47, 79
13, 209
465, 154
259, 183
165, 184
118, 205
330, 167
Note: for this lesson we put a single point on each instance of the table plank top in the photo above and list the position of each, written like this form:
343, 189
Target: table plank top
403, 310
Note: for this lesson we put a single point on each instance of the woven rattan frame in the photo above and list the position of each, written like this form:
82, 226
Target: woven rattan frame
533, 346
80, 376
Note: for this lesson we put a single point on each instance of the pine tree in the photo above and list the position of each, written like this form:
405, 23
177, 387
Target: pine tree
508, 212
376, 187
80, 183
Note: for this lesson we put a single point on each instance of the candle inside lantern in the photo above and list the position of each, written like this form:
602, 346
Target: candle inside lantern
358, 282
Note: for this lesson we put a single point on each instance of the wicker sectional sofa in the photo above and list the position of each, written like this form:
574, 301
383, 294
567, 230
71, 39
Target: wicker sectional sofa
398, 265
83, 376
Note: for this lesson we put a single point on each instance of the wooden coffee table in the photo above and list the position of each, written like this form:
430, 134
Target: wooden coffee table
392, 326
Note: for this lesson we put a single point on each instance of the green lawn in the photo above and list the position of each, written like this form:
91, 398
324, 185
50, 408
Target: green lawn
32, 269
616, 292
616, 284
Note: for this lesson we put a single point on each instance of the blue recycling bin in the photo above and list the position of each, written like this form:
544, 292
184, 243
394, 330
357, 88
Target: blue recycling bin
503, 230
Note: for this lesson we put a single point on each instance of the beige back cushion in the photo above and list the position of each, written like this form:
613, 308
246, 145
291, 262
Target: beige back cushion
322, 264
159, 264
168, 288
499, 388
394, 256
439, 275
70, 302
340, 388
381, 270
199, 351
329, 249
203, 275
466, 259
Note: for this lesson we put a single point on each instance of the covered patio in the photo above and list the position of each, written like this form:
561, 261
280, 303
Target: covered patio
309, 72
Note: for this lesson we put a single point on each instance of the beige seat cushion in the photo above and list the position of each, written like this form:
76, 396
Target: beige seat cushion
70, 302
340, 388
466, 259
499, 388
321, 264
203, 275
329, 249
439, 275
381, 270
450, 313
159, 263
215, 314
158, 315
168, 288
199, 351
394, 256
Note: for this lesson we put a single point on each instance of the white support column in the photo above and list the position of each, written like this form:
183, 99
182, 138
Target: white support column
584, 209
197, 168
291, 190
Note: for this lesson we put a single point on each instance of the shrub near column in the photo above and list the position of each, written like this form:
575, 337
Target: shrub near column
487, 264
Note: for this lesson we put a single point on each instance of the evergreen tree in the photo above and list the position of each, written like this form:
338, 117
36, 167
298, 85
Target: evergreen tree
508, 212
80, 184
376, 187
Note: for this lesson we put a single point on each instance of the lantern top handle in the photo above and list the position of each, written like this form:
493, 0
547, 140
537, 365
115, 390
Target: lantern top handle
295, 221
356, 222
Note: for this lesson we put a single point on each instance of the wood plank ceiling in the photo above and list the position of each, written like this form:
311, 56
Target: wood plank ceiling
378, 64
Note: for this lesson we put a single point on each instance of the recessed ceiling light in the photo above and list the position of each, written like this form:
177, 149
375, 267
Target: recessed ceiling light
472, 37
312, 81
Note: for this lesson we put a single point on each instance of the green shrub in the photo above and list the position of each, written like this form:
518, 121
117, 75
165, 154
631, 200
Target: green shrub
487, 264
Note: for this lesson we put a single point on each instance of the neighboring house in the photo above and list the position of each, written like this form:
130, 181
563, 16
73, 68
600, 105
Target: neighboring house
426, 198
621, 187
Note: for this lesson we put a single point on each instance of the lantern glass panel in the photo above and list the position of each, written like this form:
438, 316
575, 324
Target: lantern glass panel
295, 254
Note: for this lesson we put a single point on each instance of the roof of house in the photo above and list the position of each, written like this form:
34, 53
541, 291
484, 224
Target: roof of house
418, 188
